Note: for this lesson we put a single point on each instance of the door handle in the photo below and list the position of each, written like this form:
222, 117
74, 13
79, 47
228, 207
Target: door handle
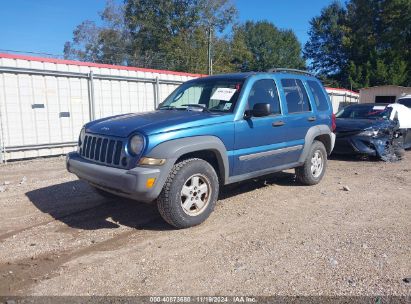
312, 118
278, 123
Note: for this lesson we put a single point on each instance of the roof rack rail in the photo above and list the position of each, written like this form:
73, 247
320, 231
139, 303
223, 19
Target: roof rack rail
285, 70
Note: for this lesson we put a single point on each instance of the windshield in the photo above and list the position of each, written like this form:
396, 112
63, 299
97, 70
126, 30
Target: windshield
405, 101
365, 112
210, 95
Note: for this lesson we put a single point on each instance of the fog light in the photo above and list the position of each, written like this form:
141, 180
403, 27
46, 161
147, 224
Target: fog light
152, 161
150, 182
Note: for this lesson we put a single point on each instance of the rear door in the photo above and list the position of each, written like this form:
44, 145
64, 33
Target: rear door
321, 101
300, 115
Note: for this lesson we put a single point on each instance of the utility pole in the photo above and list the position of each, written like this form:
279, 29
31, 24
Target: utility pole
210, 58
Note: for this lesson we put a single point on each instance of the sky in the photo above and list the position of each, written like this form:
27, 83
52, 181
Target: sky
43, 26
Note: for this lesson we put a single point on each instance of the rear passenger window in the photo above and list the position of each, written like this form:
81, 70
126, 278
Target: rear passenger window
295, 95
319, 96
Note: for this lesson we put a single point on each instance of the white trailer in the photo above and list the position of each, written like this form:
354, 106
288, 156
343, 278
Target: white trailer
342, 97
44, 102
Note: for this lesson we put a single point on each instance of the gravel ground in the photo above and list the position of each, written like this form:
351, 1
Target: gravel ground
349, 235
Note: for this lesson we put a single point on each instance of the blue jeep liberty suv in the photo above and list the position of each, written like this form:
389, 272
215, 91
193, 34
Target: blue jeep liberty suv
209, 132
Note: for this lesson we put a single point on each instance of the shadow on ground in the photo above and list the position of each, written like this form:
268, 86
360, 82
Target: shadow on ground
77, 205
279, 178
354, 158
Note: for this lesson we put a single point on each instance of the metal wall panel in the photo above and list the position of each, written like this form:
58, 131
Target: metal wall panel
45, 102
341, 98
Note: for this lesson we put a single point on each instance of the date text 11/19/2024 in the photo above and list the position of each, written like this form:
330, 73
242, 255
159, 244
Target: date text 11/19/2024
204, 299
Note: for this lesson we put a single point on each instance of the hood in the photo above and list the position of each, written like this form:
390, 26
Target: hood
350, 124
151, 122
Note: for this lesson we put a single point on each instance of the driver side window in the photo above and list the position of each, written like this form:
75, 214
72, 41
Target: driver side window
265, 91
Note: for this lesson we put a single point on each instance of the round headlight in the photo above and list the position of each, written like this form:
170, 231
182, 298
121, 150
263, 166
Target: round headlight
82, 136
370, 132
136, 144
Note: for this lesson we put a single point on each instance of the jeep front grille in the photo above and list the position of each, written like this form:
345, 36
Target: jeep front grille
102, 149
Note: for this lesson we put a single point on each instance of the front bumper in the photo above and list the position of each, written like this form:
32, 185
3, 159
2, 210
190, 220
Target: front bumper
358, 145
126, 183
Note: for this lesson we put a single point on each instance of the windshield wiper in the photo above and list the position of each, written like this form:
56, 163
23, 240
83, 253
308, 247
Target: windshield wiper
205, 109
167, 108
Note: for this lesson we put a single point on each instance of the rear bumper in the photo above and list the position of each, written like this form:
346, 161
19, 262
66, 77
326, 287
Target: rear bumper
126, 183
333, 137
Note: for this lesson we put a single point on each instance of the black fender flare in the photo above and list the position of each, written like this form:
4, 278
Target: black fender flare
312, 133
173, 149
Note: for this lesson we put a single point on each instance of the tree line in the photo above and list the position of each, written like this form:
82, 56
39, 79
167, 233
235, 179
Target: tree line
357, 44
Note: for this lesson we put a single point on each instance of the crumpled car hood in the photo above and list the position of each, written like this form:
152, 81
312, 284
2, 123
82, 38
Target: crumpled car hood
387, 143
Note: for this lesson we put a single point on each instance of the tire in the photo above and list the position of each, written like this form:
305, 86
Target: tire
315, 165
189, 194
105, 194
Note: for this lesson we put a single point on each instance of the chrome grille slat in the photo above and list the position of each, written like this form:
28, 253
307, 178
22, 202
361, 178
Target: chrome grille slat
103, 155
98, 149
117, 153
92, 148
110, 151
88, 146
102, 149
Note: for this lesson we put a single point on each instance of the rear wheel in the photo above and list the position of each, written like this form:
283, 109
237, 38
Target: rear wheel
313, 169
189, 194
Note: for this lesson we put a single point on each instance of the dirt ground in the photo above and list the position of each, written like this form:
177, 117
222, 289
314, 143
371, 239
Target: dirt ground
269, 236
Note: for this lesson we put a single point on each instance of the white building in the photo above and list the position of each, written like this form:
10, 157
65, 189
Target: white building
383, 94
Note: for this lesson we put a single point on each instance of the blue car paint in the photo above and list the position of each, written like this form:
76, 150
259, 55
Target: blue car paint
258, 135
239, 136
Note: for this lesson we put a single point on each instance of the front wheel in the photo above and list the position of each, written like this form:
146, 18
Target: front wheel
313, 169
189, 194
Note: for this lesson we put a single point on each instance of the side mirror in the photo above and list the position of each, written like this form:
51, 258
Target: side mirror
261, 109
248, 114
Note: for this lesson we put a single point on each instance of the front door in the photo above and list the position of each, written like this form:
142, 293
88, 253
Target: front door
262, 142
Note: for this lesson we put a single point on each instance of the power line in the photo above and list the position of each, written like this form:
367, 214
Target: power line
157, 61
32, 53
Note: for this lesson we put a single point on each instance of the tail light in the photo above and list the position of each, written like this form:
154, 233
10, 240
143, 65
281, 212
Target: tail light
333, 122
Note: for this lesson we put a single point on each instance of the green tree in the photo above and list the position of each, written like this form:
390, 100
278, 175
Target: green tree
325, 49
174, 32
108, 43
153, 23
261, 46
366, 43
380, 37
166, 34
185, 49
